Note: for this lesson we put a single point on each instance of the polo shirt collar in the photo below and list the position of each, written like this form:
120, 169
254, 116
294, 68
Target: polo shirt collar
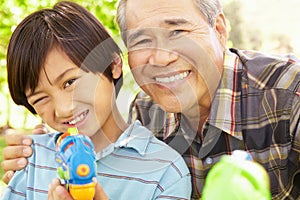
135, 137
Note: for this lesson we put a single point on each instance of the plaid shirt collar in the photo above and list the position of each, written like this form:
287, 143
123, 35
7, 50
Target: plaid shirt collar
225, 110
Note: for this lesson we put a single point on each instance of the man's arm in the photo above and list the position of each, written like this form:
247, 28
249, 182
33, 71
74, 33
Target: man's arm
295, 151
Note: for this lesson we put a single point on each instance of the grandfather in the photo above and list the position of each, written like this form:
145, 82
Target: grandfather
223, 99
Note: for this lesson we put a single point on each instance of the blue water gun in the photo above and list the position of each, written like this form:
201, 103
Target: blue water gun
75, 158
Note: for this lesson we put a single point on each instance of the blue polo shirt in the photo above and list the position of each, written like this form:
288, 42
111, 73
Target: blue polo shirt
136, 166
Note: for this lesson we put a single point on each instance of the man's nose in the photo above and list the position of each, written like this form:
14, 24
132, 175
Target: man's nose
162, 57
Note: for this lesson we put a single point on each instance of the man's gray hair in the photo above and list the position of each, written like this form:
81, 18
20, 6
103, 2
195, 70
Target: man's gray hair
209, 8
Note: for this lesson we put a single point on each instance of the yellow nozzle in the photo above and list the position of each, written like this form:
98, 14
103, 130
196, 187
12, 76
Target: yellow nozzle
73, 131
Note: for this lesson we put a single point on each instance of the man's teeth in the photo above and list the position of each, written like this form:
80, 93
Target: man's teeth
77, 119
172, 78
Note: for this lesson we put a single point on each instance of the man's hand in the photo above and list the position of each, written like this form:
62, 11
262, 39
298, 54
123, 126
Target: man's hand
40, 129
58, 192
15, 154
17, 150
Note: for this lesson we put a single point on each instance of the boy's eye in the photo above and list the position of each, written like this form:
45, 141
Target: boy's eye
35, 101
69, 82
38, 100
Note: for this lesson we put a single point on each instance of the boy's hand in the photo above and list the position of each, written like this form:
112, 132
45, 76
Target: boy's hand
58, 192
15, 154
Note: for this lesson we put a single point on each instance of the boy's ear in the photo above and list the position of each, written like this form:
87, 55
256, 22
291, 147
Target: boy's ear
116, 66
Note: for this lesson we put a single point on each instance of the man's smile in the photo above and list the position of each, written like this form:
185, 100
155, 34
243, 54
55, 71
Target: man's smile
172, 78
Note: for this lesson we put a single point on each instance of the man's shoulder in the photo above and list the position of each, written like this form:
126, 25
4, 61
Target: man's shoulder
256, 56
269, 71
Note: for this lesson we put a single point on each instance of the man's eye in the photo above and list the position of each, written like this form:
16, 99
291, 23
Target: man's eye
176, 32
141, 42
69, 82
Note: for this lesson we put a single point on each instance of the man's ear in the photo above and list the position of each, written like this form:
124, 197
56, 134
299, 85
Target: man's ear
221, 28
116, 66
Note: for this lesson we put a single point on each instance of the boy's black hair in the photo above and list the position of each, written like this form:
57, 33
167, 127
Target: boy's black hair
67, 25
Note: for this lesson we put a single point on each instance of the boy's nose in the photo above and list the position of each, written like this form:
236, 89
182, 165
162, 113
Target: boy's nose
63, 108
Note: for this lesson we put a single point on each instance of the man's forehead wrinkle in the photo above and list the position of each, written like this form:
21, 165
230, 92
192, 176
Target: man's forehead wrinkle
175, 21
163, 25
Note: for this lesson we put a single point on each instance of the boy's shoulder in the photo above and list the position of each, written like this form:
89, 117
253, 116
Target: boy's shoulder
138, 145
147, 145
46, 136
45, 140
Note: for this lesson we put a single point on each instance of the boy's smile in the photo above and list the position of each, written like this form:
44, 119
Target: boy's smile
78, 120
67, 96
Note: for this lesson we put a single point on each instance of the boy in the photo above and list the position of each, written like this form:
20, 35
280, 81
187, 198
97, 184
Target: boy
64, 66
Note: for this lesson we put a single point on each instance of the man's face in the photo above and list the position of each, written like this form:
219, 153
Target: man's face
175, 56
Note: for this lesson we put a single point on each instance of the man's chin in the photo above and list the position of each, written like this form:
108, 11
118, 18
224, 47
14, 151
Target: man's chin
170, 106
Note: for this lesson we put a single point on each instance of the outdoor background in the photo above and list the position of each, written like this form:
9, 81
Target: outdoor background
269, 26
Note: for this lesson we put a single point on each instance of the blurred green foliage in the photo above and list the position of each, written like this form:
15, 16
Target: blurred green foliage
2, 145
11, 14
13, 11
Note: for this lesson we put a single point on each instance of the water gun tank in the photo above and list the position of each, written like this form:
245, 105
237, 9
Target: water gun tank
237, 177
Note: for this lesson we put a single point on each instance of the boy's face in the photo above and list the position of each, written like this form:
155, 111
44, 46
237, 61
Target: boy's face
66, 96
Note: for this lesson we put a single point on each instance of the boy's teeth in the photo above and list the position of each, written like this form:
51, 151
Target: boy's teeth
77, 119
172, 78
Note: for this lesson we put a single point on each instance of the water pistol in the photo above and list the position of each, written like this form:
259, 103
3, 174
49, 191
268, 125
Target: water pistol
237, 177
75, 158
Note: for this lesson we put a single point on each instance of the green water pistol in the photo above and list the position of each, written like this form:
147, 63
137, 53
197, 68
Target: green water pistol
237, 177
